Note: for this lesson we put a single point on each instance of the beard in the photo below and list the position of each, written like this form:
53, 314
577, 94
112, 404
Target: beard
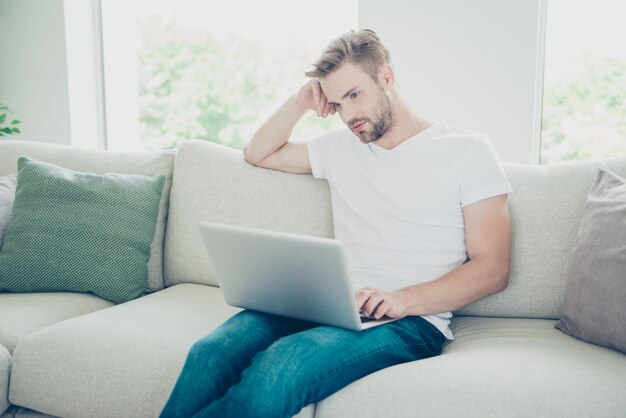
381, 123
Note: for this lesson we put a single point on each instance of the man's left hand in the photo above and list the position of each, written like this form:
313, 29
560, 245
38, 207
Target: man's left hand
375, 303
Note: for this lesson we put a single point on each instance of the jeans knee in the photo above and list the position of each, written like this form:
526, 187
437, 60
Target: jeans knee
198, 350
285, 362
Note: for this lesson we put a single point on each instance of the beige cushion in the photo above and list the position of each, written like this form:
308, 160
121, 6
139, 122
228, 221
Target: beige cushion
495, 368
595, 294
118, 362
546, 206
100, 162
5, 372
24, 313
7, 196
214, 183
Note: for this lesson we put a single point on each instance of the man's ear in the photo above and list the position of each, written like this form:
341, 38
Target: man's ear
386, 76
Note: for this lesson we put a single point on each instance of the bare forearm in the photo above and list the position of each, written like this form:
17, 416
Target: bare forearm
472, 281
275, 132
488, 238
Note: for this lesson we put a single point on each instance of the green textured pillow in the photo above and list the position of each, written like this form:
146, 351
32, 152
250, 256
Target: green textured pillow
80, 232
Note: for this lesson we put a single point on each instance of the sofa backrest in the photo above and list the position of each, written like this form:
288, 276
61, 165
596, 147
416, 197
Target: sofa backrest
100, 162
546, 208
213, 183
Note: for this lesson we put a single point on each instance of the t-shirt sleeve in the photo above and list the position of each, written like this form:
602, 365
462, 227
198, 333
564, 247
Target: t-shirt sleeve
320, 153
482, 175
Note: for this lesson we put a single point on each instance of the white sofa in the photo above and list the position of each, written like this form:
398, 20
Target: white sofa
76, 355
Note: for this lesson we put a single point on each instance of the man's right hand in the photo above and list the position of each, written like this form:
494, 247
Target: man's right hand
312, 97
270, 146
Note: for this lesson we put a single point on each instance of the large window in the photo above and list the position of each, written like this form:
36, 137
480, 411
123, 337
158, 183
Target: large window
216, 71
584, 104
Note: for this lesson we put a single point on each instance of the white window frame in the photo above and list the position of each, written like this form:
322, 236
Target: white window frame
83, 44
120, 82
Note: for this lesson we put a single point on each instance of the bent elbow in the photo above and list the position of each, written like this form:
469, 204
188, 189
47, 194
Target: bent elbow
502, 278
249, 158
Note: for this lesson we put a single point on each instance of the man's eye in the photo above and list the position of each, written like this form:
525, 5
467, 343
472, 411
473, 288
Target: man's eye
354, 94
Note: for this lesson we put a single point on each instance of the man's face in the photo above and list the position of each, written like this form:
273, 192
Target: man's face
361, 102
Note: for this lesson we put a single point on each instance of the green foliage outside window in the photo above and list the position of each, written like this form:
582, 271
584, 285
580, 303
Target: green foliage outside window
584, 116
193, 85
184, 93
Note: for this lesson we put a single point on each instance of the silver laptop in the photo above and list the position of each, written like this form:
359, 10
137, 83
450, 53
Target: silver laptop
298, 276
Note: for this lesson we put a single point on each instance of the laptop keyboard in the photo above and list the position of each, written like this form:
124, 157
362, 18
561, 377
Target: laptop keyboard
365, 319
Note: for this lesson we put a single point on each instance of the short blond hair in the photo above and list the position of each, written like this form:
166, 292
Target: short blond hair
362, 47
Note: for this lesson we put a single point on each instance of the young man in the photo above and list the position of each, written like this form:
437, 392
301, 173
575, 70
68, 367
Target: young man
421, 209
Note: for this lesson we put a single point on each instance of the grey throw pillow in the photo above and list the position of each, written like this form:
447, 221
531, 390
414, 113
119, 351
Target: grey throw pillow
594, 307
7, 195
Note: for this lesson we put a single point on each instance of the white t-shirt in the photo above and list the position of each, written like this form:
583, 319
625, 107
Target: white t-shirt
399, 212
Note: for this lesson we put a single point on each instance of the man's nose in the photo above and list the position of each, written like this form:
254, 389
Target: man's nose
349, 113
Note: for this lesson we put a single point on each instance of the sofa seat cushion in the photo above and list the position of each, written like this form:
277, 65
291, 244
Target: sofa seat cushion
118, 362
24, 313
5, 372
122, 361
495, 368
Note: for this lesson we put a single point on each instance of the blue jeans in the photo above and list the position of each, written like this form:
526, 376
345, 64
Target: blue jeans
262, 365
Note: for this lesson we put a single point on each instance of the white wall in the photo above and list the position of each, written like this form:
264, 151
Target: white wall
33, 71
476, 64
52, 78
